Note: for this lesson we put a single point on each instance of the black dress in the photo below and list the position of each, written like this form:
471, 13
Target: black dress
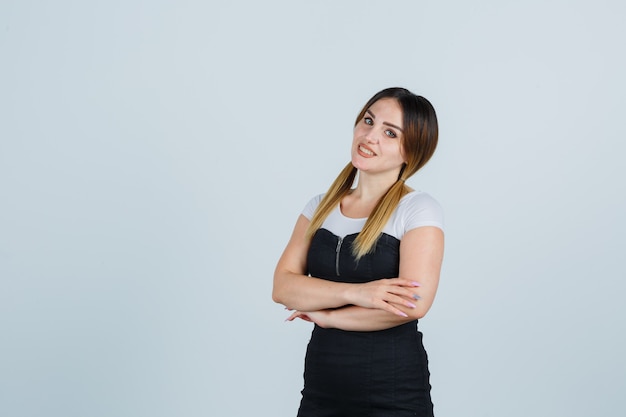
366, 374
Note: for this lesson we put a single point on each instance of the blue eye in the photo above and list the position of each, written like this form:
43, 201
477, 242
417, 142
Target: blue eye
368, 121
390, 133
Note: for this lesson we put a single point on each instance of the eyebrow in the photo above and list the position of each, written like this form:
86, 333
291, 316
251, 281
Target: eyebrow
385, 123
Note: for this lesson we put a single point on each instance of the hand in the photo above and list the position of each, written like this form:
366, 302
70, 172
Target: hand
320, 317
384, 293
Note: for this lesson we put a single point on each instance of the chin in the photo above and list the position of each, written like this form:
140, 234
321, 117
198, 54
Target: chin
357, 164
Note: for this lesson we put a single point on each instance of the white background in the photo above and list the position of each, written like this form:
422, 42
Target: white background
155, 155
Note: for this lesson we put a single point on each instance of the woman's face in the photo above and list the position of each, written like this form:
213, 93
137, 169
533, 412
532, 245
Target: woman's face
377, 143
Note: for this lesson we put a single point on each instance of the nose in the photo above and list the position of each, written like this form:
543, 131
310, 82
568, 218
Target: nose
372, 137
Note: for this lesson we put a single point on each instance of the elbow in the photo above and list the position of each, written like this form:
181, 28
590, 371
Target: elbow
422, 306
276, 296
418, 313
416, 316
282, 287
279, 298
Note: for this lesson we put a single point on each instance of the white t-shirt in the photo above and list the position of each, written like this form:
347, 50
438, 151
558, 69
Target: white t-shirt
416, 209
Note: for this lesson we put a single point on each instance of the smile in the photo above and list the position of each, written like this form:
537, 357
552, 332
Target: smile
366, 151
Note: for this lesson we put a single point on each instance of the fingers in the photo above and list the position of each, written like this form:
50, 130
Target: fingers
405, 288
391, 303
403, 282
293, 316
383, 293
298, 315
306, 318
389, 290
393, 293
394, 310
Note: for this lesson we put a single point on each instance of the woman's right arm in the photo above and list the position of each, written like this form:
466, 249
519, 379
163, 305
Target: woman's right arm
294, 289
297, 291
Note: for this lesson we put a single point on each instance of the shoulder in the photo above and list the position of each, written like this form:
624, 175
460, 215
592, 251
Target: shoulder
311, 206
419, 199
417, 209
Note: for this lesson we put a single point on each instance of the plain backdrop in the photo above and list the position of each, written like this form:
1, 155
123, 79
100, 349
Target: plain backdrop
154, 156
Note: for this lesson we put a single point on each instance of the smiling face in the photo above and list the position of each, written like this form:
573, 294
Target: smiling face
377, 143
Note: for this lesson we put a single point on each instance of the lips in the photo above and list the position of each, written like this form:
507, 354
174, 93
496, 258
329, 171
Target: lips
365, 151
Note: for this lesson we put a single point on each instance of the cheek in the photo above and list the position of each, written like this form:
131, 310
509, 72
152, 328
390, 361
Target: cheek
396, 148
402, 154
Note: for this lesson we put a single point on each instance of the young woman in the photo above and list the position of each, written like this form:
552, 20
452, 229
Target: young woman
363, 264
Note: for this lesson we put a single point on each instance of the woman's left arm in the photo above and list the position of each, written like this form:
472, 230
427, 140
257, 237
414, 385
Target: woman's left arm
421, 255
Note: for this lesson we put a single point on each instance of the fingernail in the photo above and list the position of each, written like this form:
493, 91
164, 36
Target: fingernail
416, 284
403, 314
417, 297
411, 305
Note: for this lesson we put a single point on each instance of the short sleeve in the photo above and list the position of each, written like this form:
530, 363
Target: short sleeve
421, 210
311, 206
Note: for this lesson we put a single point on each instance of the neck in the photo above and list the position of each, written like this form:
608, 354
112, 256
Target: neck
372, 187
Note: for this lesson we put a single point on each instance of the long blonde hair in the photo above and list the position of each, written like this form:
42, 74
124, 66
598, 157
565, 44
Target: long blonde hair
418, 145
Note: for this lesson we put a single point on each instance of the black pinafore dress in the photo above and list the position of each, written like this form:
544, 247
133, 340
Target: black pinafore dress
366, 374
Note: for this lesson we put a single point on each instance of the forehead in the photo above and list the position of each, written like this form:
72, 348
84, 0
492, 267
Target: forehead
388, 110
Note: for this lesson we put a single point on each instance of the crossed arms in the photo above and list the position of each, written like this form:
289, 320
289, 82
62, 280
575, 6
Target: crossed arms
375, 305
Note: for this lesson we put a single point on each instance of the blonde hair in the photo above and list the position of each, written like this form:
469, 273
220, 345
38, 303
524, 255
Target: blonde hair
418, 145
